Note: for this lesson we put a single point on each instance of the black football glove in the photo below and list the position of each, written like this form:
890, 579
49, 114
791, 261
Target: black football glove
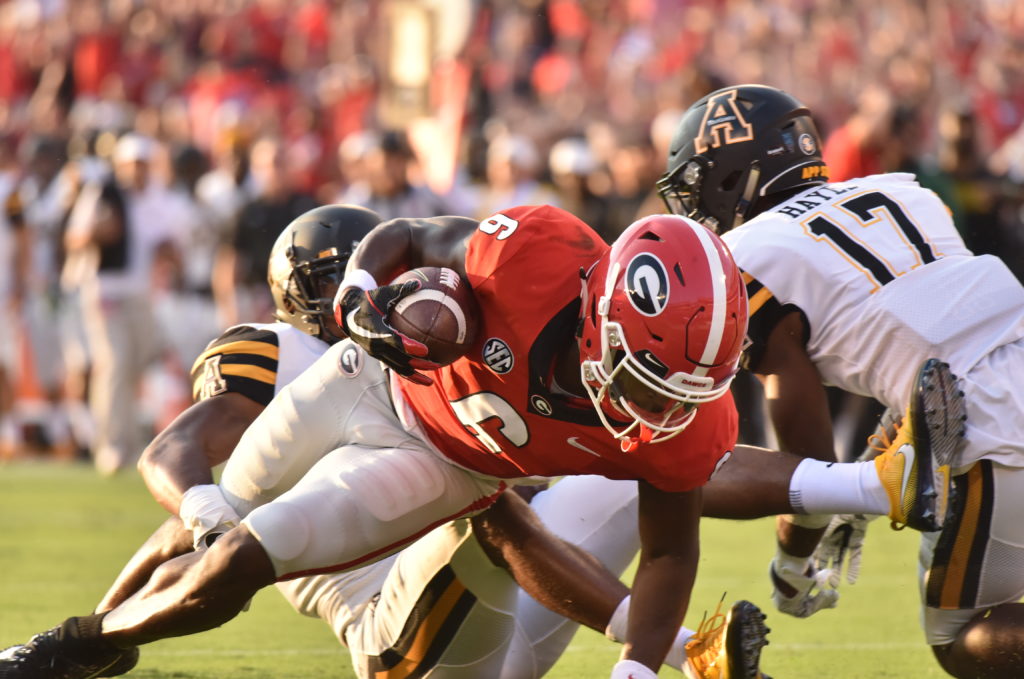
362, 315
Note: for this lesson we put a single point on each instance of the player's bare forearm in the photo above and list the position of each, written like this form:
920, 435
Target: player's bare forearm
170, 540
797, 403
203, 436
559, 575
670, 549
401, 244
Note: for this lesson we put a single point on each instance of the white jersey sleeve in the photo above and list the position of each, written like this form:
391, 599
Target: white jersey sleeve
256, 360
880, 273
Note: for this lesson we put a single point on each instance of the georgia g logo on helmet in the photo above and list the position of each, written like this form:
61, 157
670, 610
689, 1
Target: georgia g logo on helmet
723, 123
647, 284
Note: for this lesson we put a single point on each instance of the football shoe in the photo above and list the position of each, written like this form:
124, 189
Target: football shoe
50, 655
728, 645
915, 467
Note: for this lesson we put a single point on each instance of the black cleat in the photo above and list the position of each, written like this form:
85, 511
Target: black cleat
50, 656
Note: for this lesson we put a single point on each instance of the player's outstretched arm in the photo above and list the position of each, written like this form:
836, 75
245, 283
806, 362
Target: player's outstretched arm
669, 551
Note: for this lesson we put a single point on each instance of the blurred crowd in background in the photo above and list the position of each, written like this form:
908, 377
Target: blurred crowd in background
210, 124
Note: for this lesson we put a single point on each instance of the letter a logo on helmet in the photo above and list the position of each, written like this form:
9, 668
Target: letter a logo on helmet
724, 123
647, 284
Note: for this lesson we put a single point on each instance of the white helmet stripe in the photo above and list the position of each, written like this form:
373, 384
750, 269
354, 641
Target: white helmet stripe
718, 308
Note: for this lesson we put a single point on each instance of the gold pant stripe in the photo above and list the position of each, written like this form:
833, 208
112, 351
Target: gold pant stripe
956, 565
426, 633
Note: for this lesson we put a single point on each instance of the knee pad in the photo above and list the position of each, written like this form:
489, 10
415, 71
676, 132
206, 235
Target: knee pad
282, 530
394, 483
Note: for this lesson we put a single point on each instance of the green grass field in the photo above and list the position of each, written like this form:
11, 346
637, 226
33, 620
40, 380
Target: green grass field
65, 532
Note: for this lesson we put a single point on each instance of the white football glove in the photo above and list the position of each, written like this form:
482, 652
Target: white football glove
206, 513
801, 592
843, 541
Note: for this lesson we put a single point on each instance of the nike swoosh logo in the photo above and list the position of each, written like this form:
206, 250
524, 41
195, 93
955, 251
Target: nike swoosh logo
360, 330
574, 441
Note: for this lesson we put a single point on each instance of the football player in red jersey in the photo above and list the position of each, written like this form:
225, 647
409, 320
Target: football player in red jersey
350, 462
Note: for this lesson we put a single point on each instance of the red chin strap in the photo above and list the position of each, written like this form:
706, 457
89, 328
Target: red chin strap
631, 443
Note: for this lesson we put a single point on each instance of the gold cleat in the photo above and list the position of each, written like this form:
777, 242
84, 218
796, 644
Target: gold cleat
915, 466
728, 646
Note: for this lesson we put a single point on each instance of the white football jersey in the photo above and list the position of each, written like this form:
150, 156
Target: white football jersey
881, 274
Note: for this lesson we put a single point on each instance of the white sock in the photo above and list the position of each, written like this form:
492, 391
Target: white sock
818, 487
616, 631
676, 656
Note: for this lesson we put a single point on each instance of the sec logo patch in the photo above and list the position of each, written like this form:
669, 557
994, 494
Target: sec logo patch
498, 356
351, 361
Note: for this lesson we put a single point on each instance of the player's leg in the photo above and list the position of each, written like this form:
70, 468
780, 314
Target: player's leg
110, 386
191, 593
8, 429
987, 647
269, 459
911, 487
442, 610
973, 577
170, 540
321, 410
973, 572
356, 505
448, 607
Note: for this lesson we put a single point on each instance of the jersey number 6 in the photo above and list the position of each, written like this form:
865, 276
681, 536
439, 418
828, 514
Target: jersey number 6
482, 406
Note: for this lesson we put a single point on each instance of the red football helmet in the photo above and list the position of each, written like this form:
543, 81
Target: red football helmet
664, 322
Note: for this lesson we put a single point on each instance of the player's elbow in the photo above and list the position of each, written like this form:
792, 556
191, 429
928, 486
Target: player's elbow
151, 461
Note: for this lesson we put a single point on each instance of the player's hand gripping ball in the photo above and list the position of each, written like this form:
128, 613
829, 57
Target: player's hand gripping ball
442, 313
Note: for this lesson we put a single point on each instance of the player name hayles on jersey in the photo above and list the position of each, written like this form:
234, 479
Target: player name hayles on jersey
809, 201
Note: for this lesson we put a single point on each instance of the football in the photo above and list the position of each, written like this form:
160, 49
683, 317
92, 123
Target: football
442, 314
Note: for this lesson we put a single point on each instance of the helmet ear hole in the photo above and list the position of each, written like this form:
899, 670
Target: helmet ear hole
731, 180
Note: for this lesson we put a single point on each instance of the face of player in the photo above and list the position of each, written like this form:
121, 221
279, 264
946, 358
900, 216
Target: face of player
327, 287
641, 398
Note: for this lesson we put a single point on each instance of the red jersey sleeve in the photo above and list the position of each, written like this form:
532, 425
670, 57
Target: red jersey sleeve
556, 241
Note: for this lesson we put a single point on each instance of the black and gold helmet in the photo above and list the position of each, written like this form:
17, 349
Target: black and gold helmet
308, 261
736, 146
